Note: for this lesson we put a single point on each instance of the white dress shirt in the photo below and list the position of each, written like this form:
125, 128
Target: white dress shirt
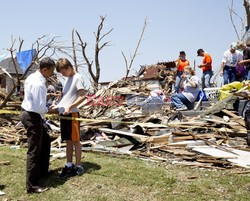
35, 94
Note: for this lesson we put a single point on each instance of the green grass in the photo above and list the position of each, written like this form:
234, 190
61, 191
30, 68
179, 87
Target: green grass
118, 178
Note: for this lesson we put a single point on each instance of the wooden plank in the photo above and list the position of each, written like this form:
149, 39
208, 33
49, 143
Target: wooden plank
178, 152
161, 139
238, 127
214, 161
221, 122
151, 125
234, 132
238, 119
180, 133
138, 136
187, 124
190, 137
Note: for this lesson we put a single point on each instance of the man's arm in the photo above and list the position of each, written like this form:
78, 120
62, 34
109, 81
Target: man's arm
222, 68
244, 61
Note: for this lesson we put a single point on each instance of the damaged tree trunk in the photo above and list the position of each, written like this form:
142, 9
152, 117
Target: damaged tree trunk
247, 9
98, 47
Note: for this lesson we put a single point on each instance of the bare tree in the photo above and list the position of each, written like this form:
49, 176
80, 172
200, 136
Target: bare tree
129, 66
247, 10
244, 25
95, 73
74, 50
42, 46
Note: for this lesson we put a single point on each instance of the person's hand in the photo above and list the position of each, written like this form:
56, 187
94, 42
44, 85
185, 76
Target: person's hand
52, 107
49, 95
221, 72
241, 62
199, 66
66, 111
183, 76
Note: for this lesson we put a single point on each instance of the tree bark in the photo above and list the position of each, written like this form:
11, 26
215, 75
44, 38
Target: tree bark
98, 47
74, 50
247, 7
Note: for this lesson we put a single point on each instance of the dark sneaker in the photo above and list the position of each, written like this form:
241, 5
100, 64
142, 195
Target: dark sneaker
66, 171
37, 190
79, 170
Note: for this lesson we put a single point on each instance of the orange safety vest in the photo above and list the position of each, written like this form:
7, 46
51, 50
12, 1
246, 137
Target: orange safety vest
182, 64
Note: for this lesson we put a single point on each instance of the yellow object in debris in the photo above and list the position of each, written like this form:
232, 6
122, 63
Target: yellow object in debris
225, 89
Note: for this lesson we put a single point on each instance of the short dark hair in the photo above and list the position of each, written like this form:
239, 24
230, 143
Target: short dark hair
199, 51
182, 52
47, 63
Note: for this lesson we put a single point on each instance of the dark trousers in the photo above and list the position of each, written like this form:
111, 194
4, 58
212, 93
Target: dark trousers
38, 153
247, 121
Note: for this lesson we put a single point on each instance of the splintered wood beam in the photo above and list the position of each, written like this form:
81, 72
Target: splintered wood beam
237, 118
138, 136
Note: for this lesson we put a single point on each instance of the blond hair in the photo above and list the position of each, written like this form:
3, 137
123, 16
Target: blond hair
190, 69
63, 63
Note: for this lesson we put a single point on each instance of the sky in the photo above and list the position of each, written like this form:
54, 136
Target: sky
174, 25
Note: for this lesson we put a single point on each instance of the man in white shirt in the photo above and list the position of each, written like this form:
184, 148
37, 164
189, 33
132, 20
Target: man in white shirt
230, 60
34, 109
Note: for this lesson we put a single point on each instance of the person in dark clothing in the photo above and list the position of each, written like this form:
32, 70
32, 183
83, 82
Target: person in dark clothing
247, 122
34, 109
246, 57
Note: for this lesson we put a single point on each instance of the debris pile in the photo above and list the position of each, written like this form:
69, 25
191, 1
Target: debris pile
115, 120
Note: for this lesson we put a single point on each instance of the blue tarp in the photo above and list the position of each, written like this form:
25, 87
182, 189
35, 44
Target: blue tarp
24, 58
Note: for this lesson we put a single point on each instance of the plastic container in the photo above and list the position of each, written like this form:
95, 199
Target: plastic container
212, 93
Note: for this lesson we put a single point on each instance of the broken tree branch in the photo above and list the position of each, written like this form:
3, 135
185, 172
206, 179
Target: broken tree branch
98, 47
73, 50
128, 67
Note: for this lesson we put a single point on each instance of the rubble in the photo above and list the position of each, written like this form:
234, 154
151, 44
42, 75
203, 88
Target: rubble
113, 121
